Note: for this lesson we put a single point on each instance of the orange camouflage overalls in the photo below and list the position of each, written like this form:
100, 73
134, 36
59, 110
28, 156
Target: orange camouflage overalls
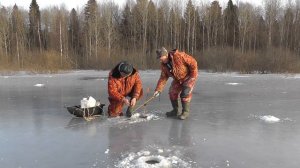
184, 70
120, 87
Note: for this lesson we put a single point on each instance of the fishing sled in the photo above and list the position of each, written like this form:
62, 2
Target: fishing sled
85, 112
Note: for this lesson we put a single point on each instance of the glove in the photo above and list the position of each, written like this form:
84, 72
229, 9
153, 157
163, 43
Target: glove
185, 92
156, 93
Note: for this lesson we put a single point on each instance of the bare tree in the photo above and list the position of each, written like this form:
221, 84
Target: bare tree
271, 13
17, 34
109, 13
4, 31
245, 15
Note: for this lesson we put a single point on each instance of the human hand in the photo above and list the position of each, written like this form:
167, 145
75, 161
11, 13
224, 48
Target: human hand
156, 93
133, 102
126, 101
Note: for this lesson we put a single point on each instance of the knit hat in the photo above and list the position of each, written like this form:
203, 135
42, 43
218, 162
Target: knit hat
161, 52
125, 68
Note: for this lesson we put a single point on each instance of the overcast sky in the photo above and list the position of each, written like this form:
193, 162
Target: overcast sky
80, 3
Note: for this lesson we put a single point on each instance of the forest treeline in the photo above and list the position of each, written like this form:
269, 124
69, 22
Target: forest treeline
237, 37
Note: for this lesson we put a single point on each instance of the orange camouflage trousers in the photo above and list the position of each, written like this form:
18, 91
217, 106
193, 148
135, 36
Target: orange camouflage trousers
182, 90
115, 107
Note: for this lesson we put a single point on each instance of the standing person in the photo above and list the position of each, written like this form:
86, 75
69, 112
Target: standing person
123, 81
184, 71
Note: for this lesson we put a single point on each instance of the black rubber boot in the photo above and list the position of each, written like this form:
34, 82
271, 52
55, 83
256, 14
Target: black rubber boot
185, 110
175, 111
129, 111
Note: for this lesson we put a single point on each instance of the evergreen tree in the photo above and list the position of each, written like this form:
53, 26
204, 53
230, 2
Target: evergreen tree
288, 24
74, 31
126, 28
35, 26
231, 24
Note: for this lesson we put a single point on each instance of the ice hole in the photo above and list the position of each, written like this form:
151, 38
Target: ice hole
152, 160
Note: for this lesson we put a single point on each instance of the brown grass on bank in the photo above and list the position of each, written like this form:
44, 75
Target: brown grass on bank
275, 60
36, 62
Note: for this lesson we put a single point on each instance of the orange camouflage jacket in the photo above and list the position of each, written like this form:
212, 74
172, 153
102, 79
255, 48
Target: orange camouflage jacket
120, 87
184, 68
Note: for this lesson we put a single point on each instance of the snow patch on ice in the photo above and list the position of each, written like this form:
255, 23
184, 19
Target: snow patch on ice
269, 119
143, 153
135, 116
227, 163
233, 84
39, 85
292, 76
240, 76
266, 118
160, 150
150, 117
287, 119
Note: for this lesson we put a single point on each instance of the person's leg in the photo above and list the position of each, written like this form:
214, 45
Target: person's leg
115, 108
174, 91
186, 97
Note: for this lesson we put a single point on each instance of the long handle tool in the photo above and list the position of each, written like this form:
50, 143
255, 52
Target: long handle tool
142, 105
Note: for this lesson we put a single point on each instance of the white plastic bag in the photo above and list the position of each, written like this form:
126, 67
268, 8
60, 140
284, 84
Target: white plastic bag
88, 102
83, 103
91, 102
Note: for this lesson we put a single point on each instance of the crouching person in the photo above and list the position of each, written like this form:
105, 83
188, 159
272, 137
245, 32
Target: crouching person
184, 71
124, 81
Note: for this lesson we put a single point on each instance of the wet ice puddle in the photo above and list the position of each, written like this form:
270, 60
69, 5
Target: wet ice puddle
157, 158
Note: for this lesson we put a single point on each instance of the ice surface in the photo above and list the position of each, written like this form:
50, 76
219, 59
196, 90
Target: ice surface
224, 128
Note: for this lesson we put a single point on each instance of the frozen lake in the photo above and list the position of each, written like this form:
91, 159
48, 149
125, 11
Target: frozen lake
239, 121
